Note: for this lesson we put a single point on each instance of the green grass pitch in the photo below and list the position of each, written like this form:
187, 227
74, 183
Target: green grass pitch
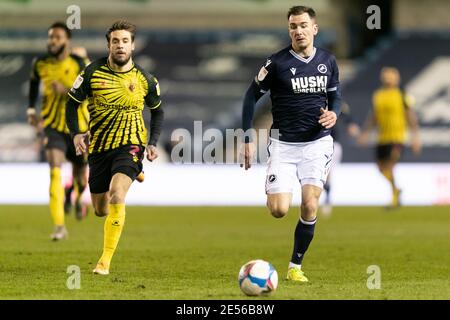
196, 253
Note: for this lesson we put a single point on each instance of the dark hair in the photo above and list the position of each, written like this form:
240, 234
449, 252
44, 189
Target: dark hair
121, 25
298, 10
61, 25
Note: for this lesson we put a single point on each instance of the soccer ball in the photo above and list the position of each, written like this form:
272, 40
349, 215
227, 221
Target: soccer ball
257, 277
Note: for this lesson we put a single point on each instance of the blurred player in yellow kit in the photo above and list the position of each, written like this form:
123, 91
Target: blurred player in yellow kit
391, 116
57, 70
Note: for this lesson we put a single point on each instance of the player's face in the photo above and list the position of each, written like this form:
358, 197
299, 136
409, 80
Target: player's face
57, 41
302, 30
390, 77
120, 47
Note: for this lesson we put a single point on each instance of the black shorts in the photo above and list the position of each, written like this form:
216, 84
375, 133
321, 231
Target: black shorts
384, 151
103, 165
62, 141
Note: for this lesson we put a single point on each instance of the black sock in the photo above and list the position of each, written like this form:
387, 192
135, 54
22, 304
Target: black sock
304, 233
326, 188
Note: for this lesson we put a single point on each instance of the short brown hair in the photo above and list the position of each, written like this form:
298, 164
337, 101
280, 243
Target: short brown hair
298, 10
121, 25
61, 25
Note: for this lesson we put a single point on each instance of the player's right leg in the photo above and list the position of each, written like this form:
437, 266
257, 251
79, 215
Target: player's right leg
55, 149
80, 178
280, 178
55, 158
387, 157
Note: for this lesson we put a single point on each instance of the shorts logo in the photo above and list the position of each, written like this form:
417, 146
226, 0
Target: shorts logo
322, 68
134, 150
272, 178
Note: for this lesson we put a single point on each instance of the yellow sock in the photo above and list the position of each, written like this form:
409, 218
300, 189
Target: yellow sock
390, 177
113, 228
56, 197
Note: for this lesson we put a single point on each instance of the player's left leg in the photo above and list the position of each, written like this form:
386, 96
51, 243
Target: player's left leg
304, 232
79, 176
126, 164
327, 207
120, 184
313, 170
387, 157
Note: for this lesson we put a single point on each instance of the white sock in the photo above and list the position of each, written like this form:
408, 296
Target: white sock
293, 265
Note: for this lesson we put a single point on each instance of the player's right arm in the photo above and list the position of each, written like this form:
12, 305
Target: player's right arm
76, 95
33, 95
369, 125
260, 85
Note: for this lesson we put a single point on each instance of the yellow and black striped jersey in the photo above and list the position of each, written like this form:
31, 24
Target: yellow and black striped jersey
47, 69
390, 107
116, 101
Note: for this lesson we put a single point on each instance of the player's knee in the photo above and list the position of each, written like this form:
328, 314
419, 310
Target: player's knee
101, 213
100, 209
309, 209
117, 195
278, 210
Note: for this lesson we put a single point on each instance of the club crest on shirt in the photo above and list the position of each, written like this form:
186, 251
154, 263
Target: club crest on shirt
322, 68
131, 87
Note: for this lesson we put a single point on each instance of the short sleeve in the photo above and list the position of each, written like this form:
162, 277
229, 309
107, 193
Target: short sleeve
265, 75
80, 87
333, 84
153, 97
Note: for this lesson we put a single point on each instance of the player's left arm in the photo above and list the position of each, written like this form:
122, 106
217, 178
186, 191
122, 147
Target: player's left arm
413, 124
153, 101
329, 115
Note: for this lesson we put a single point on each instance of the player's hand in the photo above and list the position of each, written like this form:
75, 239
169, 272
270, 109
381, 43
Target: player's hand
416, 145
58, 87
152, 153
363, 139
247, 154
353, 130
81, 142
32, 117
327, 118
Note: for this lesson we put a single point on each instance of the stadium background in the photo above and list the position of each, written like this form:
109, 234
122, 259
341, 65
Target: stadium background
205, 54
175, 246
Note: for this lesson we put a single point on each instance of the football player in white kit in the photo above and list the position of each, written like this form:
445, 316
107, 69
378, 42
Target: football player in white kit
304, 88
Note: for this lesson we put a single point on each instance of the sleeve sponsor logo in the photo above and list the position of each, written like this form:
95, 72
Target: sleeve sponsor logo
78, 82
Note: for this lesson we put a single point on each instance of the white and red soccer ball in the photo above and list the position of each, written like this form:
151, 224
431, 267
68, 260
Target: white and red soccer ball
258, 277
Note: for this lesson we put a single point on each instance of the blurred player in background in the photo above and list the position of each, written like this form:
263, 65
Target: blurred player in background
391, 116
117, 90
353, 130
56, 70
304, 88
